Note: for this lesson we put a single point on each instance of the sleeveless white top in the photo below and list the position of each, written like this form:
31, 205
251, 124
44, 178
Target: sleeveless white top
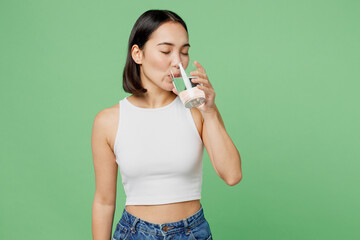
159, 153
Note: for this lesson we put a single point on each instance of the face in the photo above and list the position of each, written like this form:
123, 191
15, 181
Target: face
167, 46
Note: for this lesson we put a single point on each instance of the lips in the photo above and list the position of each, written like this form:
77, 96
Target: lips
176, 75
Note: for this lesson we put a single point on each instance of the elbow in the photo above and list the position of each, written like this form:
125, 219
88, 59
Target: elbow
234, 181
101, 199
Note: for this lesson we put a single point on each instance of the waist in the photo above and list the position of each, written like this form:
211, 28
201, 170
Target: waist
164, 213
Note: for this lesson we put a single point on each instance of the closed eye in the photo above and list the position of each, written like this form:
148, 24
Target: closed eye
169, 52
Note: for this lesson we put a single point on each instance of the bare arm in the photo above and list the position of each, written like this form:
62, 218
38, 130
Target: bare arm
105, 179
222, 152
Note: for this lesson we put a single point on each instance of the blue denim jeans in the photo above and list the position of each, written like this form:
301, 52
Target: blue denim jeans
194, 227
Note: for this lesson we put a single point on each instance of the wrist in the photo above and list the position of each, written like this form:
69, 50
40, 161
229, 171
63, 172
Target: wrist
211, 113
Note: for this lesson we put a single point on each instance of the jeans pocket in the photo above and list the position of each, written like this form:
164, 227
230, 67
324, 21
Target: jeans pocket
121, 232
201, 231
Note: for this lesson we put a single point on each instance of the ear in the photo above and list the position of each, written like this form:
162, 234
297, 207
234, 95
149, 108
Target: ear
136, 54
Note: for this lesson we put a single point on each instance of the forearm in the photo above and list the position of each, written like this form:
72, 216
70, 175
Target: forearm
225, 155
102, 220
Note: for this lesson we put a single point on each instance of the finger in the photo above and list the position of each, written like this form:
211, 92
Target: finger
206, 90
200, 74
201, 80
199, 66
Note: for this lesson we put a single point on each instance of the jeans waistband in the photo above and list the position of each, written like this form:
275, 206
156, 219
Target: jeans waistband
160, 228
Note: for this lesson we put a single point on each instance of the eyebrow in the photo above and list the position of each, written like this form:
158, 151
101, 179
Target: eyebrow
171, 44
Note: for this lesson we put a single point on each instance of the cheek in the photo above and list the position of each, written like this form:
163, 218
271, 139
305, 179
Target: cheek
159, 63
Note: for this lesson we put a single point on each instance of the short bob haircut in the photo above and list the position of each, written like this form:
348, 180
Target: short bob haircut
145, 25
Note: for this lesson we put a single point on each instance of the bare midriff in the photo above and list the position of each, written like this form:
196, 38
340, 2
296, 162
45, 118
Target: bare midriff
165, 213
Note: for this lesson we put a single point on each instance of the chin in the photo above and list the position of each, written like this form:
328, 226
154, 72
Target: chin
168, 85
169, 88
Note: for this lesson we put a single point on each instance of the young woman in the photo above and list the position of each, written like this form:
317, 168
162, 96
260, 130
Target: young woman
157, 143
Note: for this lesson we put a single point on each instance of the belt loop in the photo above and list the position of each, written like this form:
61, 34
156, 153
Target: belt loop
133, 225
186, 227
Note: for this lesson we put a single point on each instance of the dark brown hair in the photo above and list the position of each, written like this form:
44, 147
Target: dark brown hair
144, 26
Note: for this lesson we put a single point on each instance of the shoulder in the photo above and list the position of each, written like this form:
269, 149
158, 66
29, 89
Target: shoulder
198, 119
107, 115
106, 120
196, 113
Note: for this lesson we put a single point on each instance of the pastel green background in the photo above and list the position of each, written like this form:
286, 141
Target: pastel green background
286, 76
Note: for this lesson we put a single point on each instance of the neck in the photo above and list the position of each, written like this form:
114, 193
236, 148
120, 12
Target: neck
151, 100
155, 97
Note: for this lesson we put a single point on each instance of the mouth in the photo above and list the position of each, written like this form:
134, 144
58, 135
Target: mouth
176, 75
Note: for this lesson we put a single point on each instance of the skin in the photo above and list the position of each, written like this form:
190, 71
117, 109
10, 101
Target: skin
155, 63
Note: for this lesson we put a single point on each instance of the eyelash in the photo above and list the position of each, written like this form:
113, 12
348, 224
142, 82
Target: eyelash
181, 53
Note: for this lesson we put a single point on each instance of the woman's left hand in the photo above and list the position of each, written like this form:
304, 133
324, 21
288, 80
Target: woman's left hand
209, 104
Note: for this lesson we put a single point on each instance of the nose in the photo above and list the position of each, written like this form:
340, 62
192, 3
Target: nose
176, 60
174, 69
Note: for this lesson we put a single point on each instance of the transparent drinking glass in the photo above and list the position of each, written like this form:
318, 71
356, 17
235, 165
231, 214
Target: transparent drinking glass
190, 95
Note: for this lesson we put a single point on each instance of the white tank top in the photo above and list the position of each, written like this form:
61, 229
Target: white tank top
159, 153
